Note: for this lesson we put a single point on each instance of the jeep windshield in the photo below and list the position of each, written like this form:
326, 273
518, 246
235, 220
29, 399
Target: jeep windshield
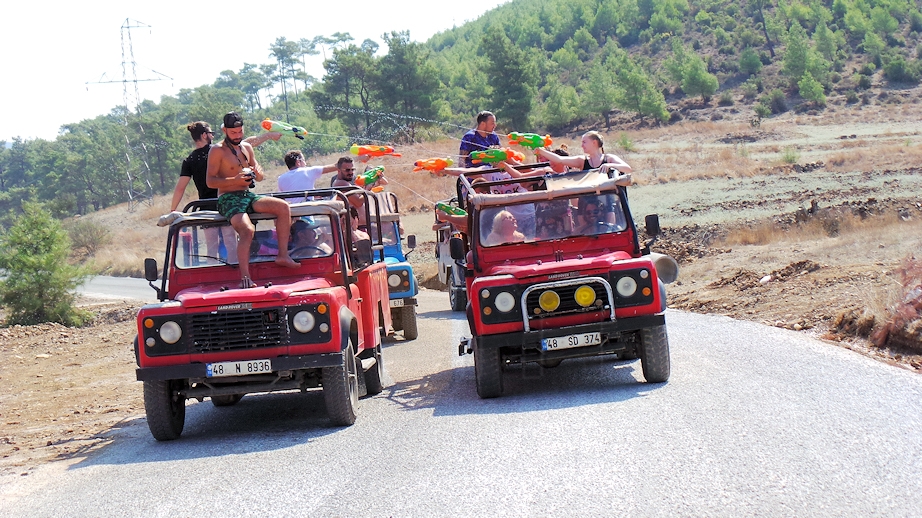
529, 222
548, 208
210, 243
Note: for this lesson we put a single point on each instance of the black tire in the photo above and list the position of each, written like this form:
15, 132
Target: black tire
408, 320
488, 371
230, 400
654, 354
166, 413
458, 298
396, 314
374, 375
341, 389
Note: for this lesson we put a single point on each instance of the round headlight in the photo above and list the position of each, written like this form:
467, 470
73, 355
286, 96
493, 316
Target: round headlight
626, 286
504, 302
393, 280
584, 296
170, 332
549, 300
303, 321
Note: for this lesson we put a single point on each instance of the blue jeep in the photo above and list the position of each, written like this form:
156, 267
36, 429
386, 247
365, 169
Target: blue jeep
401, 282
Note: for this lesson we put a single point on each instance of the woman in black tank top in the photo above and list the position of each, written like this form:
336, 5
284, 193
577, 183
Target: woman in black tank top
595, 158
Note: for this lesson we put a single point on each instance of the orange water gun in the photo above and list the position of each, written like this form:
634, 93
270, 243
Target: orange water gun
491, 156
281, 127
529, 140
372, 150
433, 164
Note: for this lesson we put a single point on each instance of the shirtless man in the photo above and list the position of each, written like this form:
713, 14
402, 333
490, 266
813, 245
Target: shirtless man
226, 163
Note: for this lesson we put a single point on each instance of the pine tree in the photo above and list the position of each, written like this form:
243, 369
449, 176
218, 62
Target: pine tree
39, 282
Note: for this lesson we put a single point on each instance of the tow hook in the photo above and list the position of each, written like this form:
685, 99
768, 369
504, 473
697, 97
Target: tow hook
464, 347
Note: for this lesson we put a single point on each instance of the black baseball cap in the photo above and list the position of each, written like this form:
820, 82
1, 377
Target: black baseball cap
233, 120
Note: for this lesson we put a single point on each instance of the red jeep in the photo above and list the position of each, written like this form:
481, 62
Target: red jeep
319, 325
555, 270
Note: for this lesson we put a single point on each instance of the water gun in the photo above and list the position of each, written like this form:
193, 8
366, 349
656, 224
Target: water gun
372, 150
492, 156
281, 127
448, 209
370, 176
433, 164
529, 140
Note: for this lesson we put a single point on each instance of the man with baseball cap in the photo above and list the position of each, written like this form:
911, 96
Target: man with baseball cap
232, 167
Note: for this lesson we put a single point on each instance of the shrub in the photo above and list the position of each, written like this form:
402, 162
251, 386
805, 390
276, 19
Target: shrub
88, 236
864, 82
749, 62
775, 101
762, 111
624, 142
39, 282
790, 155
899, 71
851, 97
750, 89
726, 98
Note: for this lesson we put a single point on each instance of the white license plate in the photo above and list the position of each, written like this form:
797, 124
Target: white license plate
397, 303
216, 370
570, 341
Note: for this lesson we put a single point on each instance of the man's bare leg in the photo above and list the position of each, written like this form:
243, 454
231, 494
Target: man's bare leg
245, 230
282, 212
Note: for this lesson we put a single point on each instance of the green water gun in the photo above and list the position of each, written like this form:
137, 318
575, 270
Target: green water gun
448, 209
370, 176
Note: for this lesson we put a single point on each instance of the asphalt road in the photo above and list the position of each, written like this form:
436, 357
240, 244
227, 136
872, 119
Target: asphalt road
102, 286
754, 421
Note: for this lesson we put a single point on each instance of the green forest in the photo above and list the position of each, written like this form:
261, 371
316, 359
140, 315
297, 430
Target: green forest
540, 65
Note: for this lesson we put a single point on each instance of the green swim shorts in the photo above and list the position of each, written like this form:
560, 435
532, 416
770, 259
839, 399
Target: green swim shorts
237, 202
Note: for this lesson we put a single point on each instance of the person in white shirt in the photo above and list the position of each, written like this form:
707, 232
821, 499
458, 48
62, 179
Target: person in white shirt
300, 177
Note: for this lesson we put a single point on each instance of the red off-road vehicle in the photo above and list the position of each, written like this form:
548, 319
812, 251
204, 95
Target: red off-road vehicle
555, 270
319, 325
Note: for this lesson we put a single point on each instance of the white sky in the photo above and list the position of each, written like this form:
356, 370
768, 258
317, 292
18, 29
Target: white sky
52, 49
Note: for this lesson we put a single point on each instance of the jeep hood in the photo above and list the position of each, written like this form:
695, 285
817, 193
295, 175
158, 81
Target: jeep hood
525, 268
211, 294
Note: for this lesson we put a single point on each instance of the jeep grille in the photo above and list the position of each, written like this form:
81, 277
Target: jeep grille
566, 291
232, 330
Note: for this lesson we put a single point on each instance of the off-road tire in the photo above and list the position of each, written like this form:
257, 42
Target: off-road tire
488, 371
229, 400
374, 375
408, 320
166, 415
341, 389
457, 297
654, 354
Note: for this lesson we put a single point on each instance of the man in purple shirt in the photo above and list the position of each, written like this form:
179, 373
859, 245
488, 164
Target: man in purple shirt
479, 138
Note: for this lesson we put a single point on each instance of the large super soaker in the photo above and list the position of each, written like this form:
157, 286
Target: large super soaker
370, 176
372, 150
433, 164
529, 140
492, 156
281, 127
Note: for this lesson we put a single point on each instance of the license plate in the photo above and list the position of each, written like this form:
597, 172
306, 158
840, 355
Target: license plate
570, 341
397, 303
216, 370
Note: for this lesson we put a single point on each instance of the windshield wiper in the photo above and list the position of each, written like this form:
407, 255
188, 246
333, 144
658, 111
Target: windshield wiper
222, 261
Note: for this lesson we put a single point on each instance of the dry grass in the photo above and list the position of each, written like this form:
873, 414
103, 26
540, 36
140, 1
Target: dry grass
845, 228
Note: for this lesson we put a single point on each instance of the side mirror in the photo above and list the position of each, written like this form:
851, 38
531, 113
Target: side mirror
151, 272
456, 248
651, 223
411, 241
